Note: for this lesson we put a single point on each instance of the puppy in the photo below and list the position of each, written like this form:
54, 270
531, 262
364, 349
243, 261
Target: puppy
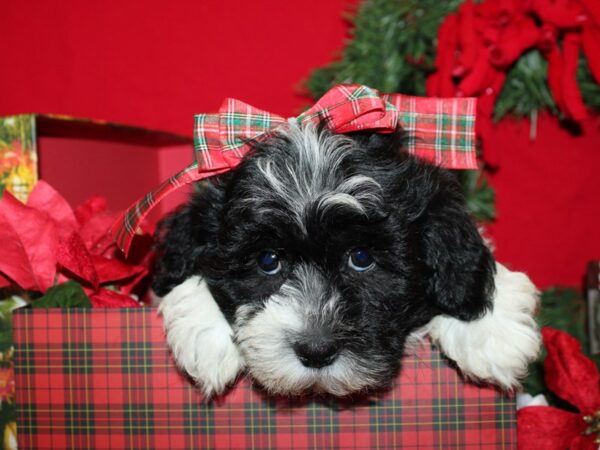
317, 262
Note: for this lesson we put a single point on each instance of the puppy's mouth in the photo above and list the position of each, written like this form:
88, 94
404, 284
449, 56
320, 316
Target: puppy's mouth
292, 344
343, 375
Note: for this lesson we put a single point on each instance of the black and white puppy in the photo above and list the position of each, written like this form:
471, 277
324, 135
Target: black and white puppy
317, 262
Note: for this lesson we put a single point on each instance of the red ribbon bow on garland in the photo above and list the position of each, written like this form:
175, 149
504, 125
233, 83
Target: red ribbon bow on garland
574, 378
478, 43
441, 131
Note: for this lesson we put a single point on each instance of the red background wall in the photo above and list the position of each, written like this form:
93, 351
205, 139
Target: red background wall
156, 63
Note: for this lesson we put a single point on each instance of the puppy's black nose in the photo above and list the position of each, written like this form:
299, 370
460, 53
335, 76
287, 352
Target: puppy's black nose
316, 353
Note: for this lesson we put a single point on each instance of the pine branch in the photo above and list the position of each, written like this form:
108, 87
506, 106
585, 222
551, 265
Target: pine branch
525, 89
392, 48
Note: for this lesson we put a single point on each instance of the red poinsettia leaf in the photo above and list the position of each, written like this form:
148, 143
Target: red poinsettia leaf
546, 427
75, 257
129, 286
568, 373
146, 260
14, 261
5, 281
91, 207
111, 269
29, 242
45, 198
95, 232
105, 298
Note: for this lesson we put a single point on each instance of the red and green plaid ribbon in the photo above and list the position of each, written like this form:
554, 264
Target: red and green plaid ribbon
440, 130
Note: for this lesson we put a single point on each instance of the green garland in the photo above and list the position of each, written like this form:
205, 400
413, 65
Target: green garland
384, 33
526, 89
393, 48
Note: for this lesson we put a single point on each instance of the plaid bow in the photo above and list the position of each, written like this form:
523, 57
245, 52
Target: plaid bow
439, 130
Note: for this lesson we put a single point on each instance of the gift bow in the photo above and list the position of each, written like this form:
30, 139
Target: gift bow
440, 130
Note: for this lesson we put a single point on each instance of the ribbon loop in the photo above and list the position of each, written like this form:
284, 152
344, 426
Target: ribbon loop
440, 130
348, 108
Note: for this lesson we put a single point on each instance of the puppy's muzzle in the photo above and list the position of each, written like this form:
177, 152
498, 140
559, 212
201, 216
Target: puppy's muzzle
316, 351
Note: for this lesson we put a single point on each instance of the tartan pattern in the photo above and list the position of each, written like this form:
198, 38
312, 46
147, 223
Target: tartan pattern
221, 139
440, 130
104, 379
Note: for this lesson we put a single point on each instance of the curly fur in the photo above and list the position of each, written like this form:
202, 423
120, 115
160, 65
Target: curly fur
312, 197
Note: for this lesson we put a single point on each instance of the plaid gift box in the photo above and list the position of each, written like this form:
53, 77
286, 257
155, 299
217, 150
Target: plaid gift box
104, 379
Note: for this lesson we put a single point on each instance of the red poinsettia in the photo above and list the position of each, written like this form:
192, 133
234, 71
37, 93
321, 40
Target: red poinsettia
45, 243
575, 379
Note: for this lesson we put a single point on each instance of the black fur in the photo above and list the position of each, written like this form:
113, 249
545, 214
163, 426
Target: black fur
430, 258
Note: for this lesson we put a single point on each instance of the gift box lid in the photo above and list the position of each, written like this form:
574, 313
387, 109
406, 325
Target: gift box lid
105, 379
83, 157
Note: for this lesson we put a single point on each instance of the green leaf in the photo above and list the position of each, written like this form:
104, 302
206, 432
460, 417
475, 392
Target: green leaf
7, 306
564, 308
526, 88
66, 295
387, 37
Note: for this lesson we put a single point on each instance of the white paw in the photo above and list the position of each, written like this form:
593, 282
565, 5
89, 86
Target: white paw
200, 337
498, 347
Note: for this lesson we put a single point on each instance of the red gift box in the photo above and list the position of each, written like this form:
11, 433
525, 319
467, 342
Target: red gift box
105, 379
81, 158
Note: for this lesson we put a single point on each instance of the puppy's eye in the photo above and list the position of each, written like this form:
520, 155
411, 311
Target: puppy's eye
269, 262
360, 259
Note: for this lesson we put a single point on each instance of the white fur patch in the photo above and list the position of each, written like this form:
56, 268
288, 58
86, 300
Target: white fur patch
498, 347
200, 337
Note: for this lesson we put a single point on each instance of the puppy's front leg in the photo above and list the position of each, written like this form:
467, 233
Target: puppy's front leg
498, 347
200, 337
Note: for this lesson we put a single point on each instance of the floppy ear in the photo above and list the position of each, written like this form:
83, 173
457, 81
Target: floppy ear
176, 251
183, 236
459, 265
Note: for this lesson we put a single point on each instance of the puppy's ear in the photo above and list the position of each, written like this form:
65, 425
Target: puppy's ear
183, 236
459, 265
176, 251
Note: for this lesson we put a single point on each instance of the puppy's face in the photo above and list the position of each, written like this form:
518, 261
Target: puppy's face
324, 252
